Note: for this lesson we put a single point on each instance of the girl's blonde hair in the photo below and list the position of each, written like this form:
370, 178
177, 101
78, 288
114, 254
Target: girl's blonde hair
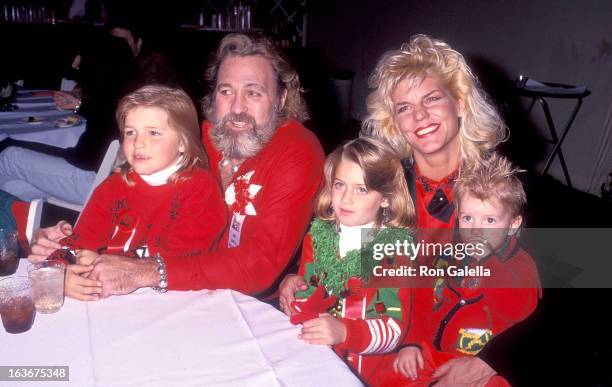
382, 172
182, 117
481, 128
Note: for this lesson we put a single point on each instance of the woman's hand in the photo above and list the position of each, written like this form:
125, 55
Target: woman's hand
464, 371
324, 330
291, 284
46, 240
65, 100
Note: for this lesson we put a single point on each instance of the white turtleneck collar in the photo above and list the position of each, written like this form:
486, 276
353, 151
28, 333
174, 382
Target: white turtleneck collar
350, 237
161, 177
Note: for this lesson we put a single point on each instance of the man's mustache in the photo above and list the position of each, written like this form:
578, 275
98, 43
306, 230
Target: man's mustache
238, 117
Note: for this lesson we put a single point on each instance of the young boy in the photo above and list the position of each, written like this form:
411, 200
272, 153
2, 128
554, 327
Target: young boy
470, 307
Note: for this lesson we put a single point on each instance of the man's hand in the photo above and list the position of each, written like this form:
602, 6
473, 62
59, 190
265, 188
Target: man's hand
324, 330
463, 371
291, 284
409, 361
45, 240
123, 275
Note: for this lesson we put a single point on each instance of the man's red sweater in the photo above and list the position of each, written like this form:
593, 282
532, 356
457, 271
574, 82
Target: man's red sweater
278, 186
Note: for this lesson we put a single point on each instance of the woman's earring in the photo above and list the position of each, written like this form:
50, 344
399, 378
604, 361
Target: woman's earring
330, 210
385, 215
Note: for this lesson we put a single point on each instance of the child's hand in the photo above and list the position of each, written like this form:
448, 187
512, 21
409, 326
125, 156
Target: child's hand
324, 330
407, 361
81, 288
86, 257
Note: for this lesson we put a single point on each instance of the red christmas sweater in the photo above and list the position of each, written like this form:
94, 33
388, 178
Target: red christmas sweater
374, 318
467, 310
177, 220
270, 201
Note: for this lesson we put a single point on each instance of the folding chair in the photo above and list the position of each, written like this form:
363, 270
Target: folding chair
67, 84
538, 91
36, 206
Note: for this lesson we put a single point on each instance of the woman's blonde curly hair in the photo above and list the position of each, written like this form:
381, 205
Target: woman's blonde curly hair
481, 129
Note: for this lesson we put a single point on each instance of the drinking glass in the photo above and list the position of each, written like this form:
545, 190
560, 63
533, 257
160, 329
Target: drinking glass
9, 258
17, 304
48, 277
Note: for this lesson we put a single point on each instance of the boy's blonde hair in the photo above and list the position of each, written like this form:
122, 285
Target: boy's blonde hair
382, 172
481, 126
494, 178
182, 117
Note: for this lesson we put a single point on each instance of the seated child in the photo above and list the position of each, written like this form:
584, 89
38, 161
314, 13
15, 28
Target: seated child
469, 310
162, 200
365, 192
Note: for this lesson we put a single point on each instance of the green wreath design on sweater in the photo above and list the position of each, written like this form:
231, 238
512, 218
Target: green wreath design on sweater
333, 271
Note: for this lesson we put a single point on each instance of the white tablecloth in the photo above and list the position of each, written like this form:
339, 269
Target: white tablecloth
15, 124
219, 338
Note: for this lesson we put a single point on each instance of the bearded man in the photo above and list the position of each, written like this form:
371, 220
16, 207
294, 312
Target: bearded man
270, 167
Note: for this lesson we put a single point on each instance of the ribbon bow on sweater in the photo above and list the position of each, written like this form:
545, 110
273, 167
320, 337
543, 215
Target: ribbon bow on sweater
239, 194
311, 308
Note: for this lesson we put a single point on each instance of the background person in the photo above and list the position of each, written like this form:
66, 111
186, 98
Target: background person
32, 170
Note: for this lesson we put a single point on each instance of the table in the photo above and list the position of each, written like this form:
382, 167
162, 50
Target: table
15, 124
220, 338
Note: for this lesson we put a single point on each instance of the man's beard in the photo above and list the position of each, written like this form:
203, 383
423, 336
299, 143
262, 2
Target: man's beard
242, 144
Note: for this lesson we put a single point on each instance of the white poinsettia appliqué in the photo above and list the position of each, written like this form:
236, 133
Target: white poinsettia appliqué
239, 194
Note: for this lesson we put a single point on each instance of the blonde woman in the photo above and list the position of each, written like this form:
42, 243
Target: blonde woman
427, 104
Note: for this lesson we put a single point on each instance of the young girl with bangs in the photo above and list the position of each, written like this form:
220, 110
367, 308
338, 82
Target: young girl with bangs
163, 198
365, 202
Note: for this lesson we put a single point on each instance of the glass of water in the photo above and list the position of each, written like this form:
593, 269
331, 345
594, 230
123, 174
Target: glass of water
48, 278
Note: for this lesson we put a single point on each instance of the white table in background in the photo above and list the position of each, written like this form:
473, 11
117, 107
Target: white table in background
203, 338
15, 123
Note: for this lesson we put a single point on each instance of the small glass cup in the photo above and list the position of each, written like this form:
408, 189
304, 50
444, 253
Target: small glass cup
48, 277
17, 304
9, 255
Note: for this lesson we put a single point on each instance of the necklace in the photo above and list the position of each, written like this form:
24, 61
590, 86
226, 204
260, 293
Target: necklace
225, 161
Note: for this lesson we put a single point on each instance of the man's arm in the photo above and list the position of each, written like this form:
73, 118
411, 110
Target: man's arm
283, 214
123, 275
